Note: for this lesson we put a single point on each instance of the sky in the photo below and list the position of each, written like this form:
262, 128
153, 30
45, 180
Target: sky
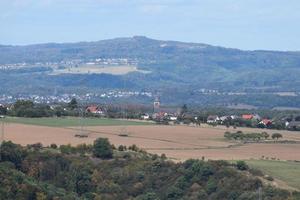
244, 24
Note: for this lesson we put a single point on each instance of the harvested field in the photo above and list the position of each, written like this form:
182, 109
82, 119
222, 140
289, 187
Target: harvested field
177, 142
98, 69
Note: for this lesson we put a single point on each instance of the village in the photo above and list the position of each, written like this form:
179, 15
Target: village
167, 115
65, 98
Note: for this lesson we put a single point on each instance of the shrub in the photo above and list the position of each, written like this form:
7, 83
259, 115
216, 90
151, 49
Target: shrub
269, 178
12, 152
241, 165
276, 136
53, 146
102, 148
133, 148
122, 148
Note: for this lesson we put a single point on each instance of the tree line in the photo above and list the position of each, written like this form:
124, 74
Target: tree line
239, 135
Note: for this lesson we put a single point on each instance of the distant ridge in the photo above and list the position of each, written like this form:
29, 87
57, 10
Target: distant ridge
178, 65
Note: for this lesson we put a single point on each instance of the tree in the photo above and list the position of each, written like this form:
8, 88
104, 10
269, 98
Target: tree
73, 104
265, 135
23, 104
23, 108
241, 165
3, 110
12, 152
148, 196
276, 136
102, 148
184, 109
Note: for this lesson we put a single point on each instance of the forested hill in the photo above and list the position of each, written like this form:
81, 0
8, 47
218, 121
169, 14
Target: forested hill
100, 172
173, 66
145, 49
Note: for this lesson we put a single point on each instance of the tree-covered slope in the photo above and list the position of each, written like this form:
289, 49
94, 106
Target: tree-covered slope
90, 172
174, 66
145, 49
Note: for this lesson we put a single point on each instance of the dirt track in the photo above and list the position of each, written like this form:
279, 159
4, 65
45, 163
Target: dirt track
178, 142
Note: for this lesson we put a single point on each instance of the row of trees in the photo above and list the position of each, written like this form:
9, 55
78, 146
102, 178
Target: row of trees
239, 135
26, 108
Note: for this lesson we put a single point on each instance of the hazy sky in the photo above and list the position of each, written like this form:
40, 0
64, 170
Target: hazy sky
245, 24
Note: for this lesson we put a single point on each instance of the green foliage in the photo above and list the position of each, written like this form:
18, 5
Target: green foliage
12, 152
71, 121
102, 148
73, 104
239, 135
176, 65
26, 108
52, 175
3, 110
241, 165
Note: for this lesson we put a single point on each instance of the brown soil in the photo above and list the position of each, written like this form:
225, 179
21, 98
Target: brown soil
178, 142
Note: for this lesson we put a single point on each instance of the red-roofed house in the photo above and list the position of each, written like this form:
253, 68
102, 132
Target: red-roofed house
266, 122
94, 109
247, 117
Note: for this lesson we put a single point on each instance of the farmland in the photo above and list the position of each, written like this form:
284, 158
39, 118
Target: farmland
178, 142
71, 121
288, 171
98, 69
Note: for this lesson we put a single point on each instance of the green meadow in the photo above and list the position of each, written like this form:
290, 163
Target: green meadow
286, 171
72, 121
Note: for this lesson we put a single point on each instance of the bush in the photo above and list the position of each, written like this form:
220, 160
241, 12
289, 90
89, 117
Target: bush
276, 136
66, 149
53, 146
36, 146
269, 178
122, 148
133, 148
12, 152
241, 165
102, 148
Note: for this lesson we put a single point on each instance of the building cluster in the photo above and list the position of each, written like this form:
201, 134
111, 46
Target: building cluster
72, 63
291, 123
65, 98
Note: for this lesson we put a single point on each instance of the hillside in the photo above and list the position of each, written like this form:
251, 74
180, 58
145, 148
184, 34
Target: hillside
176, 66
93, 172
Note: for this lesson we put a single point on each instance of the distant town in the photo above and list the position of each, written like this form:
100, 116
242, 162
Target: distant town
65, 98
71, 63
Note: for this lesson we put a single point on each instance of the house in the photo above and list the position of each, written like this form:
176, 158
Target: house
94, 109
212, 119
172, 118
251, 117
265, 122
294, 124
234, 117
247, 116
145, 117
225, 118
159, 115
